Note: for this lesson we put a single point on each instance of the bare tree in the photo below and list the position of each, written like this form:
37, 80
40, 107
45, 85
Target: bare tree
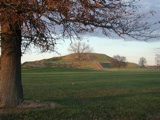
118, 61
157, 60
80, 49
142, 62
42, 22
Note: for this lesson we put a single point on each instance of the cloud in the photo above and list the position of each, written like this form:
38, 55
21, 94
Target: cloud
146, 7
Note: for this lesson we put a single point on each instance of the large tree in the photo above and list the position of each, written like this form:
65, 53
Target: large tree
42, 22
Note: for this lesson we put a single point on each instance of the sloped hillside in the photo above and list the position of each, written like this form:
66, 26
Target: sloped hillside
88, 60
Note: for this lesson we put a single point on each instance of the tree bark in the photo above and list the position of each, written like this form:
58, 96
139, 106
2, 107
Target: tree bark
11, 92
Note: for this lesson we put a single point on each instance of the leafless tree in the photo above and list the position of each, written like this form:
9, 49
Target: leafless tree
157, 60
142, 62
43, 22
81, 51
118, 61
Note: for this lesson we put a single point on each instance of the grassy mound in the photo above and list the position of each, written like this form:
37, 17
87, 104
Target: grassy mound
88, 61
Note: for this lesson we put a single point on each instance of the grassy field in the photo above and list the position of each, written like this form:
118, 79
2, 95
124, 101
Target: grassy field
91, 94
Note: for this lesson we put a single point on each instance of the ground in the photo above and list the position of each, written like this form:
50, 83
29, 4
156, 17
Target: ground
30, 105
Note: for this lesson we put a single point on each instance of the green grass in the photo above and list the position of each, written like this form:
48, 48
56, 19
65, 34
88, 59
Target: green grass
91, 95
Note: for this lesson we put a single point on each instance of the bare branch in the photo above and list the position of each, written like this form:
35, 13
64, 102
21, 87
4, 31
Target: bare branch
44, 22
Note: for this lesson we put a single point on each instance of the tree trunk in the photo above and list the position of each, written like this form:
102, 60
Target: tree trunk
11, 92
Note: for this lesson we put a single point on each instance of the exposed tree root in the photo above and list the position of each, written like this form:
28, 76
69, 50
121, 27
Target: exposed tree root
30, 105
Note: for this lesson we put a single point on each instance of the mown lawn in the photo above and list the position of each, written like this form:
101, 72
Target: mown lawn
91, 95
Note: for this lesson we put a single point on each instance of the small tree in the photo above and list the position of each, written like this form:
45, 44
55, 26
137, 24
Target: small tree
118, 61
80, 49
157, 60
142, 62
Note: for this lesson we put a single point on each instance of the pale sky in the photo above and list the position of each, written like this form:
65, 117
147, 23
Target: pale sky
132, 50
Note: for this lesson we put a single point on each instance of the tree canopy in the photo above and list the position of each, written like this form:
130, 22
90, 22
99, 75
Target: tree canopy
43, 22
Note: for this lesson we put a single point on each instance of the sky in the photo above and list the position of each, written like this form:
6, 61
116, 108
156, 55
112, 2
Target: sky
131, 49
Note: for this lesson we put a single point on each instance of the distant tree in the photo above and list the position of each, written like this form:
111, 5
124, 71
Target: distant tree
118, 61
80, 49
157, 60
142, 62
